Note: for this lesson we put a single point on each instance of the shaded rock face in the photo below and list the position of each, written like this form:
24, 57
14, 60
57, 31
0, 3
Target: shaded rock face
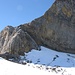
55, 30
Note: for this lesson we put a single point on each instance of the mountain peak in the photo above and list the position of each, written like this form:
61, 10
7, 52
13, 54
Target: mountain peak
55, 30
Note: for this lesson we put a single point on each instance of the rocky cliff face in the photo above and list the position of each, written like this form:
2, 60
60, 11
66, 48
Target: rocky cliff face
16, 41
55, 30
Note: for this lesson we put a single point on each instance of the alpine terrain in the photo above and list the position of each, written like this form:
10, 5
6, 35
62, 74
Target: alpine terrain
45, 46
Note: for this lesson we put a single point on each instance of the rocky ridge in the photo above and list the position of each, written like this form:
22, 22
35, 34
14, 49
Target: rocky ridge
55, 30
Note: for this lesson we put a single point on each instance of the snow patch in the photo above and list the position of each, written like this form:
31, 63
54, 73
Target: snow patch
44, 62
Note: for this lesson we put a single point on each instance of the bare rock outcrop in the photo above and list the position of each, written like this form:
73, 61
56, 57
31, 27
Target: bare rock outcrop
16, 41
55, 30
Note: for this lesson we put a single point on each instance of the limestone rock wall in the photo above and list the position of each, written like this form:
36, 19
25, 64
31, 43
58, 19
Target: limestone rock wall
55, 30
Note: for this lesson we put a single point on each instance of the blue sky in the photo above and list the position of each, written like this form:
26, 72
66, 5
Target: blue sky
16, 12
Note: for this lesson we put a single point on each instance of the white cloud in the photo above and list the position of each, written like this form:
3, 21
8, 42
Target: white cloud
19, 8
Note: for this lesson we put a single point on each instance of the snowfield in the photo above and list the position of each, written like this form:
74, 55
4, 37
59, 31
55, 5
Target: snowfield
44, 62
51, 58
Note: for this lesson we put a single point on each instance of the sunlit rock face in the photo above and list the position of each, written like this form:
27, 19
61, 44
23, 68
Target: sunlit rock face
16, 41
55, 30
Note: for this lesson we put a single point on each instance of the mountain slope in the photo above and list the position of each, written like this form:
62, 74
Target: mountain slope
55, 30
49, 57
67, 61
